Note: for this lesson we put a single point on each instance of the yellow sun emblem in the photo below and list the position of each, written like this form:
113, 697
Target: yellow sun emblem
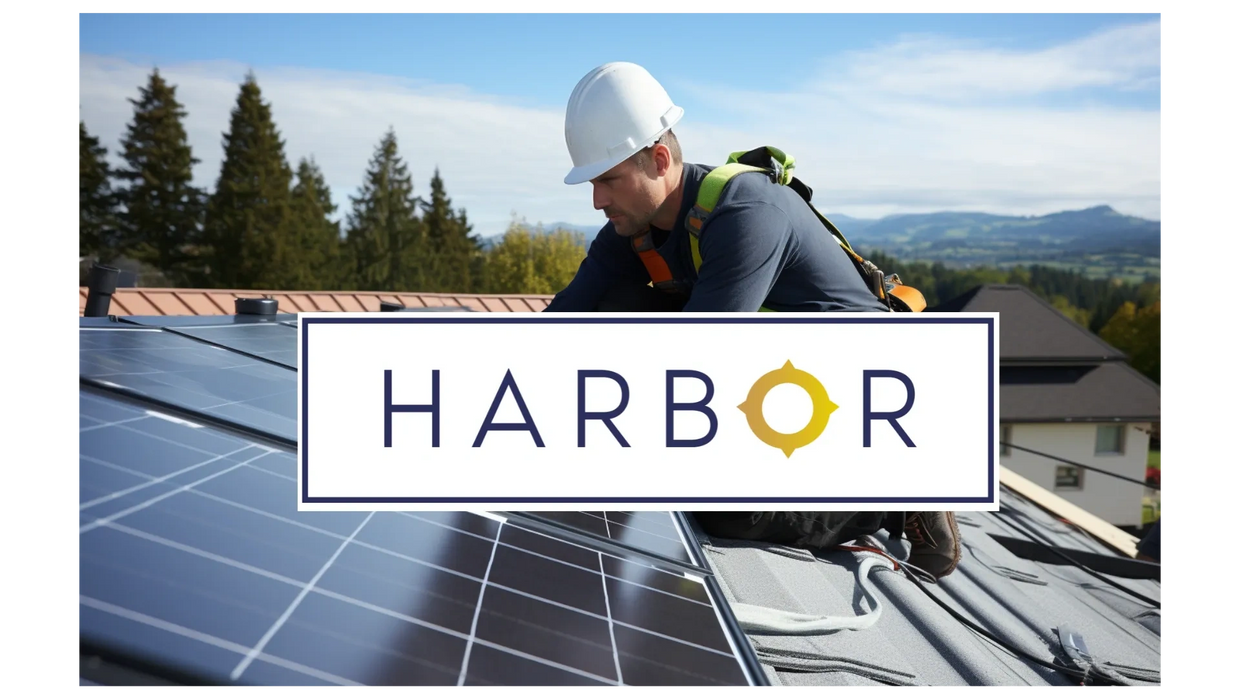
823, 407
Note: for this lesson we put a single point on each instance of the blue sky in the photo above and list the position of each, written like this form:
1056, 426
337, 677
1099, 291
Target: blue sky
1022, 114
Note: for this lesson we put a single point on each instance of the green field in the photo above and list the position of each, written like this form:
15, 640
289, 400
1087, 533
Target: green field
1151, 504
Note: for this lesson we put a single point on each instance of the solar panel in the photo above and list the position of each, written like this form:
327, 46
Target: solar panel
210, 320
274, 342
196, 565
190, 375
653, 532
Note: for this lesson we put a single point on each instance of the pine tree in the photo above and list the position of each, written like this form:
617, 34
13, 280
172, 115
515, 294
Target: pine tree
247, 226
96, 200
385, 237
162, 212
451, 251
316, 234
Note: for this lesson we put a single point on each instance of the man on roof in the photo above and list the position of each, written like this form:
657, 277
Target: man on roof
762, 247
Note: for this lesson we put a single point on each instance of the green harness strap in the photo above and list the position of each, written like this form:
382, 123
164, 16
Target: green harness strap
712, 188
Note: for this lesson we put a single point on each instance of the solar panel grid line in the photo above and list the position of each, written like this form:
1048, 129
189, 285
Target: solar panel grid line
125, 394
154, 481
111, 424
611, 626
288, 580
609, 522
251, 568
243, 352
203, 374
473, 630
594, 541
208, 639
155, 500
642, 572
275, 628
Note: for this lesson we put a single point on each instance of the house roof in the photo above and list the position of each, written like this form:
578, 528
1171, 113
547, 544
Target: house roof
1030, 329
1112, 391
188, 301
1053, 370
1024, 602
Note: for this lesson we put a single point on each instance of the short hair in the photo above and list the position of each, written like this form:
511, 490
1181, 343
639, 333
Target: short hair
668, 139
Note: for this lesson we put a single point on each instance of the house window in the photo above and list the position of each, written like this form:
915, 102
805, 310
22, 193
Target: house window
1005, 437
1069, 477
1110, 440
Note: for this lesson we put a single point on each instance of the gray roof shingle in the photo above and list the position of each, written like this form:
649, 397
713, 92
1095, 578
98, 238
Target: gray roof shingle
1112, 391
1054, 370
915, 641
1030, 329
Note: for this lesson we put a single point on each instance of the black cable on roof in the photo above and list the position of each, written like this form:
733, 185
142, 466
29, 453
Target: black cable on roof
1059, 553
1083, 677
1081, 465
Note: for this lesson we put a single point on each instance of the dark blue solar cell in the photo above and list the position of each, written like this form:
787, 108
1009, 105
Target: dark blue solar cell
272, 340
194, 557
647, 531
194, 376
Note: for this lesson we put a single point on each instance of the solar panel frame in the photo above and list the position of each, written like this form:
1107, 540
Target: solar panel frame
178, 321
180, 373
600, 529
613, 557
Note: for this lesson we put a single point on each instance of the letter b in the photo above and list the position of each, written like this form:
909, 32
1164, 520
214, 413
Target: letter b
700, 406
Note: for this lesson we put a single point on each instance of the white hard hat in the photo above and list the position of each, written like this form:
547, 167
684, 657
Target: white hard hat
616, 110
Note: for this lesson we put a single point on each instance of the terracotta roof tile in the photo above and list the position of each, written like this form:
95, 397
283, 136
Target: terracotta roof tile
189, 301
168, 303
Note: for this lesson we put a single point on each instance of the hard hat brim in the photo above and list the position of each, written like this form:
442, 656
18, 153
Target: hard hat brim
585, 173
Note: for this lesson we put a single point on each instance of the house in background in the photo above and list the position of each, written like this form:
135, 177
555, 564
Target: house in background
1065, 392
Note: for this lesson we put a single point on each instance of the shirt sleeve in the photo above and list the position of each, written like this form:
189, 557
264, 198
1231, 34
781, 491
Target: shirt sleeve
743, 250
609, 262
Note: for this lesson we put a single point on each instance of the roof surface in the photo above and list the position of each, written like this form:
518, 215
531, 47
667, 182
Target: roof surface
1051, 368
914, 640
188, 301
1109, 391
1030, 329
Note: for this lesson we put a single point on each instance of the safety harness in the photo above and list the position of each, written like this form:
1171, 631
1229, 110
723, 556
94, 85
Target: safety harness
778, 165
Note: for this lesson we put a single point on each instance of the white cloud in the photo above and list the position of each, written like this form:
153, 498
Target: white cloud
923, 124
929, 125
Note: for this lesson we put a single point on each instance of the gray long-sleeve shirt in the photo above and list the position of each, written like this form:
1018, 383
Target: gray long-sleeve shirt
762, 246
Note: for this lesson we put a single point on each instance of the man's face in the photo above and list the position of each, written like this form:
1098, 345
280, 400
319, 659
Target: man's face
629, 195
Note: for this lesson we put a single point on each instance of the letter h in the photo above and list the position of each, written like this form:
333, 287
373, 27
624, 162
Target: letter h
389, 408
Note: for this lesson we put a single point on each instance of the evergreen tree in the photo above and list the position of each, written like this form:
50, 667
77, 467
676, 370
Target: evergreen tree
451, 250
316, 234
162, 212
96, 201
385, 237
248, 227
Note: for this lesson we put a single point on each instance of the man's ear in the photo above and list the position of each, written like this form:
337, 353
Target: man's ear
662, 157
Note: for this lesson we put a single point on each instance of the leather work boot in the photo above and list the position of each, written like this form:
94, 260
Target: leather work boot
935, 541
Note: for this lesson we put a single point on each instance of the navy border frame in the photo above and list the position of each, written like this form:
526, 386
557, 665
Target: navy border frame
828, 319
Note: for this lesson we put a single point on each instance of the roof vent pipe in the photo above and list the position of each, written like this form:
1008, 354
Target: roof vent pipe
100, 285
256, 306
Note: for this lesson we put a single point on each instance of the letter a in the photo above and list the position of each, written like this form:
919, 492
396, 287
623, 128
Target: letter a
528, 425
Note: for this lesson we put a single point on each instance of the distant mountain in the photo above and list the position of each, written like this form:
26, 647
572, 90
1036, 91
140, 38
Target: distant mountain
1098, 240
988, 239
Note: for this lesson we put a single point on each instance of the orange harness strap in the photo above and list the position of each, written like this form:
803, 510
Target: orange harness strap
656, 266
